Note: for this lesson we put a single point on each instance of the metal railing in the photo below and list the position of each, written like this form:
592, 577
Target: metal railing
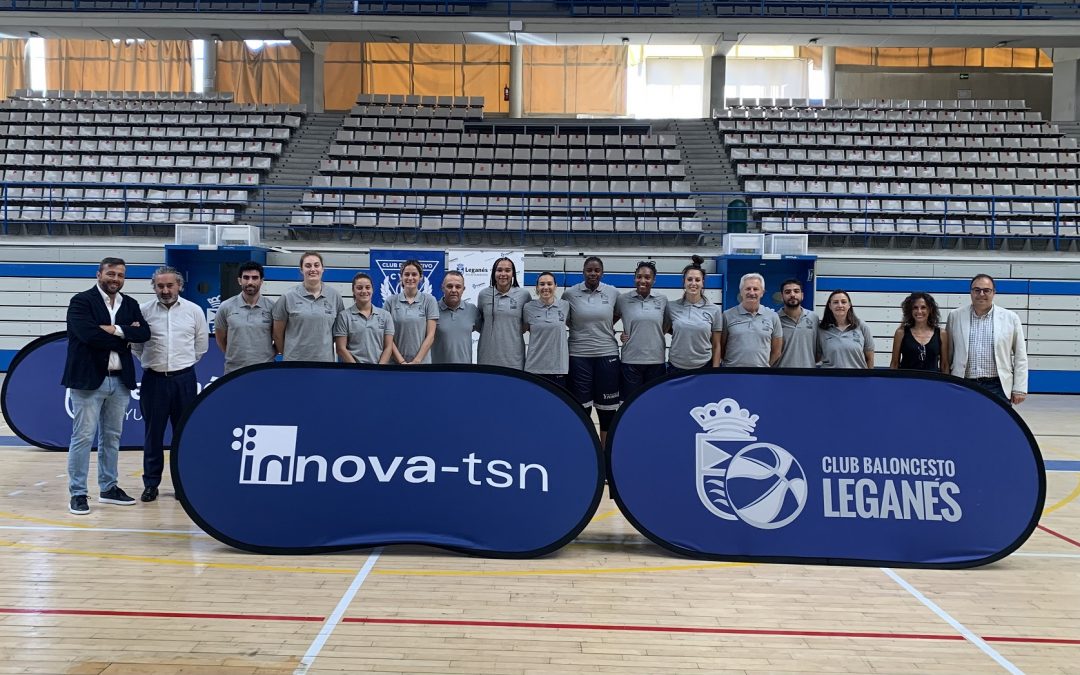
824, 9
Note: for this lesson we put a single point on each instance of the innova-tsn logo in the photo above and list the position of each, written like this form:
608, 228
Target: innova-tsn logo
760, 484
268, 457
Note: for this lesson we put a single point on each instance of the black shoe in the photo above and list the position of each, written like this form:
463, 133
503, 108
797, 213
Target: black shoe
149, 494
78, 505
115, 495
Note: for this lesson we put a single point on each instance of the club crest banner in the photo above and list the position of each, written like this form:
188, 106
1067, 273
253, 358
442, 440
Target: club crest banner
386, 272
841, 467
39, 411
367, 466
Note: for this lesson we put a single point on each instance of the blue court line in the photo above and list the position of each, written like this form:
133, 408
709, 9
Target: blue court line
11, 441
1063, 465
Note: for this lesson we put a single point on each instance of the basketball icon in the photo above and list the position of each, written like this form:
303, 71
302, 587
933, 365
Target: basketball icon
766, 486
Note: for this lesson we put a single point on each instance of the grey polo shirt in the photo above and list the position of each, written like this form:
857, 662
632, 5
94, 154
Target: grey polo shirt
692, 327
800, 340
845, 349
453, 337
410, 322
592, 319
249, 331
501, 343
309, 323
749, 336
643, 322
548, 352
366, 335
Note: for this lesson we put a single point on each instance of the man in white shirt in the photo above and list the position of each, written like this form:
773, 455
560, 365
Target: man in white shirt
988, 345
179, 336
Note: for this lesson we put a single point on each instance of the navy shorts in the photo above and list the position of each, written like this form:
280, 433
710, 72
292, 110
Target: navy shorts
637, 375
594, 381
680, 371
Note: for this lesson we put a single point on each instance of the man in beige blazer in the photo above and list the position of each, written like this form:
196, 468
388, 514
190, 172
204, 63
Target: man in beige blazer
988, 346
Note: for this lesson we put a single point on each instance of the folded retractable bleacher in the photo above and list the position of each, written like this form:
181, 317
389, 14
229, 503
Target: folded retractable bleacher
418, 163
930, 167
238, 6
135, 157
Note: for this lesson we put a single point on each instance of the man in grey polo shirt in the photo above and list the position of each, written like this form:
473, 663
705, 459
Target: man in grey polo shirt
456, 324
304, 315
243, 326
752, 337
800, 328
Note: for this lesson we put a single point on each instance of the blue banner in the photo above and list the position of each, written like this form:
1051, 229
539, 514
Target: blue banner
304, 458
842, 467
38, 409
386, 272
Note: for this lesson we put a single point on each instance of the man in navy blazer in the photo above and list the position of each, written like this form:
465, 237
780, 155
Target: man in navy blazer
100, 374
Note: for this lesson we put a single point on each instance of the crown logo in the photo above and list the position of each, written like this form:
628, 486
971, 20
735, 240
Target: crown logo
725, 420
215, 301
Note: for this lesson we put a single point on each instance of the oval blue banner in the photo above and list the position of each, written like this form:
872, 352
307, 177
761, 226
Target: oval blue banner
37, 407
838, 467
305, 458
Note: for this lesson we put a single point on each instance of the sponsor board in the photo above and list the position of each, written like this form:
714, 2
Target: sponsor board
38, 409
385, 270
303, 458
839, 467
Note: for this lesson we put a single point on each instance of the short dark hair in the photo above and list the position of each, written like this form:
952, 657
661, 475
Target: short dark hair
989, 278
250, 266
792, 280
647, 264
358, 276
595, 259
455, 273
933, 316
110, 262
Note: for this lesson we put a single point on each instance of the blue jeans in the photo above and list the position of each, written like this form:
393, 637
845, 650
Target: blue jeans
97, 412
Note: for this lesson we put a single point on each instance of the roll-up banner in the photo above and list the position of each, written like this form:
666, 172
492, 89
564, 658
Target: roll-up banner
476, 266
385, 269
840, 467
303, 458
38, 409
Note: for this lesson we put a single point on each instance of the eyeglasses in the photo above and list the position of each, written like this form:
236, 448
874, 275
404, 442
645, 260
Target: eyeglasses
982, 291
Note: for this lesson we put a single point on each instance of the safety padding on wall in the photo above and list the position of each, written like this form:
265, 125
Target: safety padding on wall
835, 467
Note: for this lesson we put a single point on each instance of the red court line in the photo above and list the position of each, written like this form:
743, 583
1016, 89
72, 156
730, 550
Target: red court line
159, 615
656, 629
1059, 535
527, 624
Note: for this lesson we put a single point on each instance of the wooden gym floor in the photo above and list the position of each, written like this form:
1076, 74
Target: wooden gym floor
140, 590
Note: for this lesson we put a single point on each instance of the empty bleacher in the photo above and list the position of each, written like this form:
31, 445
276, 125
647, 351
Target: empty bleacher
428, 163
123, 158
921, 167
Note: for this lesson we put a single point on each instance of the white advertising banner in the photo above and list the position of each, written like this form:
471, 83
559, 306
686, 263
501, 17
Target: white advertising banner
475, 266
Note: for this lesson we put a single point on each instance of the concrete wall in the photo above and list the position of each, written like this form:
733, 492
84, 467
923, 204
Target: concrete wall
864, 82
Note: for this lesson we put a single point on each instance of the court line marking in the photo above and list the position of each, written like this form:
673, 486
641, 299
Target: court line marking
1059, 535
12, 494
1048, 555
158, 615
62, 525
959, 627
777, 632
334, 619
1068, 498
335, 570
85, 528
606, 515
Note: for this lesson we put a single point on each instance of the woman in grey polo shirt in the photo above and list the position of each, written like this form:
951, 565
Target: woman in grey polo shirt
643, 344
843, 340
304, 315
501, 305
415, 315
695, 324
545, 318
363, 333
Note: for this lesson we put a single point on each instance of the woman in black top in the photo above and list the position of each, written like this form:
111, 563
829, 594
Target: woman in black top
919, 343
